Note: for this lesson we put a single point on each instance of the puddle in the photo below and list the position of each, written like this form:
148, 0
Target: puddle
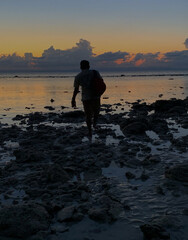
12, 195
114, 171
11, 145
111, 141
6, 157
152, 135
177, 130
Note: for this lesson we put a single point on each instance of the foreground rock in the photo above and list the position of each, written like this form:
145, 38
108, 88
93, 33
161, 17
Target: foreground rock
134, 126
152, 232
23, 221
178, 172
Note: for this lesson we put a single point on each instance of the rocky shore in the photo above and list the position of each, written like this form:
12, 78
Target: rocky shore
130, 182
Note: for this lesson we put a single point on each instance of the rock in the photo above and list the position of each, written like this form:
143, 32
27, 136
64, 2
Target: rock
158, 125
49, 108
129, 175
168, 221
73, 114
66, 214
137, 128
84, 196
134, 162
177, 110
55, 173
152, 232
22, 221
98, 214
28, 156
115, 210
59, 229
19, 117
150, 160
36, 117
165, 105
178, 172
144, 177
159, 190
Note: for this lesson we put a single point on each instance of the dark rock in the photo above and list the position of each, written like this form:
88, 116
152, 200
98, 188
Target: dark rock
22, 221
55, 173
136, 128
66, 214
129, 175
59, 229
159, 190
165, 105
19, 117
178, 110
63, 107
178, 172
98, 214
152, 232
28, 156
150, 160
73, 114
36, 117
49, 108
144, 177
158, 125
114, 211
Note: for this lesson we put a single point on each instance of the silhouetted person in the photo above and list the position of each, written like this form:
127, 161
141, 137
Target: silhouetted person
91, 102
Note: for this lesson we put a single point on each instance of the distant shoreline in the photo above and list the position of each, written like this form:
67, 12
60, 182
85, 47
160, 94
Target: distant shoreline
106, 76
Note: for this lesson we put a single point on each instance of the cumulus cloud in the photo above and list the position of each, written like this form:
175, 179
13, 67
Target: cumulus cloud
186, 43
68, 60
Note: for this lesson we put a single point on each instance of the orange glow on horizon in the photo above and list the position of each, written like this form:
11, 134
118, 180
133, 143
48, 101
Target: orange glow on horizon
119, 61
160, 56
139, 62
131, 58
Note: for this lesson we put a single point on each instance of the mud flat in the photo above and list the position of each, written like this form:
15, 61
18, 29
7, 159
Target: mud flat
129, 182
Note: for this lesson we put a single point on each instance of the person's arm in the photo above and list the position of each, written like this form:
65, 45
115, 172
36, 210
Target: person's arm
76, 91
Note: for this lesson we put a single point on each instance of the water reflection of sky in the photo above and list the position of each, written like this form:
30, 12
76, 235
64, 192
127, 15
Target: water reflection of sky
24, 95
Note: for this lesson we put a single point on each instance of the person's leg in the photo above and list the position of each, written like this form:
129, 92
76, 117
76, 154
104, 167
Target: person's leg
96, 110
88, 114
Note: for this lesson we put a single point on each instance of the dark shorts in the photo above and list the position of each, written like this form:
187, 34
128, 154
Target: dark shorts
92, 107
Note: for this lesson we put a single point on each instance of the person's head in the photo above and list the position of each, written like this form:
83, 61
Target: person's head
84, 64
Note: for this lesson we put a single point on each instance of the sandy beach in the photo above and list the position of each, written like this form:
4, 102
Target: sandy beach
130, 181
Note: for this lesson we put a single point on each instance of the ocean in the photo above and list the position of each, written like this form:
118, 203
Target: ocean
30, 92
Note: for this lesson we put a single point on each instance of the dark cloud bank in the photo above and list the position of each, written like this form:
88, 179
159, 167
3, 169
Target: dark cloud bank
68, 60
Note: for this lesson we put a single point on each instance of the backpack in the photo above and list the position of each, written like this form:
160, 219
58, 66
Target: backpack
98, 85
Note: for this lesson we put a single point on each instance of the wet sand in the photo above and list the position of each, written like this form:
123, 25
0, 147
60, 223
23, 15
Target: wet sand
130, 181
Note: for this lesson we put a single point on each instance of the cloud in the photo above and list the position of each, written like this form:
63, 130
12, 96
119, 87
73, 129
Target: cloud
68, 60
64, 60
186, 43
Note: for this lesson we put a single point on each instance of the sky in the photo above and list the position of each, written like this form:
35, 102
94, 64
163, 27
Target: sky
122, 26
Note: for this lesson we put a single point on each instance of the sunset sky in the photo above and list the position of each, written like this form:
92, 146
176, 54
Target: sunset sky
126, 25
134, 26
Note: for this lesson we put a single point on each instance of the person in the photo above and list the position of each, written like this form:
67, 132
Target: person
91, 102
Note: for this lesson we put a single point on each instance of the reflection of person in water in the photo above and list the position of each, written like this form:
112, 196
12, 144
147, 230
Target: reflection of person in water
91, 102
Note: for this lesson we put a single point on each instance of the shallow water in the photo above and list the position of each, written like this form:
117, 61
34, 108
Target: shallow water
32, 92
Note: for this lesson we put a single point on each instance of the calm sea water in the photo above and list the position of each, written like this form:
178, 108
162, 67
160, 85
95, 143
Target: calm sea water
27, 93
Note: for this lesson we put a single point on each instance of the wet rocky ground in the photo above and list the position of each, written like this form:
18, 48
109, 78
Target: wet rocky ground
129, 182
